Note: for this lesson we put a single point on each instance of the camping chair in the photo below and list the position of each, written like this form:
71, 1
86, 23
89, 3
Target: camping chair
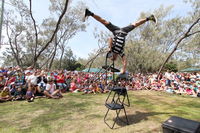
117, 103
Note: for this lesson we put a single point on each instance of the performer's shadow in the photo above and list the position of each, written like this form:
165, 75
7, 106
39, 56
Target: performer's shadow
137, 117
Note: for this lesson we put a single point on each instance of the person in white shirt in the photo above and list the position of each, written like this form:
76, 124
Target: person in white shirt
51, 91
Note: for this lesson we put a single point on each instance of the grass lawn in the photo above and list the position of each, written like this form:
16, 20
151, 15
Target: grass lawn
76, 113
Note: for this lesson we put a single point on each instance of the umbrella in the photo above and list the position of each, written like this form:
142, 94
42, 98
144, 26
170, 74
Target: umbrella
190, 70
95, 70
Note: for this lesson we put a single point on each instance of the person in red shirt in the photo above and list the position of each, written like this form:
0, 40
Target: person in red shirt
73, 86
60, 81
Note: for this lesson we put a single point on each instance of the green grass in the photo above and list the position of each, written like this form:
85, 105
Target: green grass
76, 113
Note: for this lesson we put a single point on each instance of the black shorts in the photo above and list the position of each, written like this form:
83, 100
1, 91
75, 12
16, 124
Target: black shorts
122, 54
113, 28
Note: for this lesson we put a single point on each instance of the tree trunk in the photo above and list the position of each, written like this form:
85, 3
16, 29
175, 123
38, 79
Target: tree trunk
53, 35
54, 53
187, 34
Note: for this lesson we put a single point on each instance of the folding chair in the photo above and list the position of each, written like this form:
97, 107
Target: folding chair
110, 67
117, 103
107, 68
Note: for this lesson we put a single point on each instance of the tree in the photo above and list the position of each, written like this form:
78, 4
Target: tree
34, 43
192, 30
72, 21
69, 61
149, 44
171, 66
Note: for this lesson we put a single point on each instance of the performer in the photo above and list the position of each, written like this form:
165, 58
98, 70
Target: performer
117, 43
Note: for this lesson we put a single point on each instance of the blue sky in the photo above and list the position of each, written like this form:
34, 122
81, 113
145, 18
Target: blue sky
119, 12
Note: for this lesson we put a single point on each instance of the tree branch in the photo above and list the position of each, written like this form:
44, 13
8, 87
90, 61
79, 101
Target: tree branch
101, 51
10, 43
34, 23
178, 42
55, 31
193, 33
50, 56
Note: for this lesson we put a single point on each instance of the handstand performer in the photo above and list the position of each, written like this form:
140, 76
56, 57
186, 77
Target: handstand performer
117, 43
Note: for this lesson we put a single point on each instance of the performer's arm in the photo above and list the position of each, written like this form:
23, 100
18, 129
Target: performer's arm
110, 41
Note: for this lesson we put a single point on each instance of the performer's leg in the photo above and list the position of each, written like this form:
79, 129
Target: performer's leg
107, 24
138, 23
142, 21
98, 18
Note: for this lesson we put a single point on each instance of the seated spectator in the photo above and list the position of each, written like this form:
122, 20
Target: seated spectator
198, 82
97, 89
2, 81
169, 89
102, 87
51, 91
18, 94
5, 95
73, 86
32, 82
91, 88
20, 82
195, 89
60, 81
30, 94
189, 91
10, 80
41, 84
198, 92
180, 90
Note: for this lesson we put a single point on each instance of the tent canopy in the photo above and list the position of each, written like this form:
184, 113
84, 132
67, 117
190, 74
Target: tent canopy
190, 70
95, 70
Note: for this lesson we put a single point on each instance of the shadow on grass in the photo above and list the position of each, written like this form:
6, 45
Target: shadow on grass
137, 117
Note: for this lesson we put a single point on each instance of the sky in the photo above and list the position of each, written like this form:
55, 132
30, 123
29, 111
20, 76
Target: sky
119, 12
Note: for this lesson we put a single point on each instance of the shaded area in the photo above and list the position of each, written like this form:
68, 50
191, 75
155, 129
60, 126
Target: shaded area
137, 117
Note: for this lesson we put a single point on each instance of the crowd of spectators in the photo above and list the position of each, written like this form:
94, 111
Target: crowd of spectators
177, 83
29, 83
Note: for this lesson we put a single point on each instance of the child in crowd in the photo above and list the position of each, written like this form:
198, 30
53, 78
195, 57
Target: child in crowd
30, 94
73, 85
51, 91
2, 81
5, 95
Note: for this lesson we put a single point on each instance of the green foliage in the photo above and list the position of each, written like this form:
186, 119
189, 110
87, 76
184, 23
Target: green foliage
172, 67
69, 62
